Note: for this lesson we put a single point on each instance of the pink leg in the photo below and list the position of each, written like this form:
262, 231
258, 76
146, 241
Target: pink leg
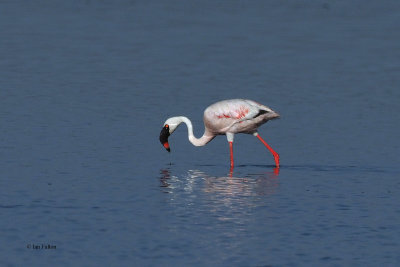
231, 150
276, 155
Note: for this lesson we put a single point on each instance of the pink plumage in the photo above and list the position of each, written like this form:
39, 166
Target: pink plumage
226, 117
237, 116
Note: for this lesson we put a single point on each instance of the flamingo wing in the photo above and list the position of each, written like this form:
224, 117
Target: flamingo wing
222, 116
238, 109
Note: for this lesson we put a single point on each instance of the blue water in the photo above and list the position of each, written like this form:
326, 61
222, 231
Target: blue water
86, 86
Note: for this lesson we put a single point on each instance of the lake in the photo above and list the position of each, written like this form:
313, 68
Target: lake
86, 86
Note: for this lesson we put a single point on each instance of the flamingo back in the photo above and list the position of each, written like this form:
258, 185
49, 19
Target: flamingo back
236, 116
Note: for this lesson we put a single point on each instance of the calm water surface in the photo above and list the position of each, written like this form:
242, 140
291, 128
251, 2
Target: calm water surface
86, 86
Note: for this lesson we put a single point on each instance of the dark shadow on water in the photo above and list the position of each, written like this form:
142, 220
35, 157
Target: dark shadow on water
256, 165
239, 166
339, 168
206, 165
323, 168
232, 171
10, 206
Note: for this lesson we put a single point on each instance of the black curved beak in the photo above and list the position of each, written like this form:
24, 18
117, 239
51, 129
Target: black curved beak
164, 134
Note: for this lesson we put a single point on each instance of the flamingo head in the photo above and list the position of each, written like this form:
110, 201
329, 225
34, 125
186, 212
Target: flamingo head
170, 126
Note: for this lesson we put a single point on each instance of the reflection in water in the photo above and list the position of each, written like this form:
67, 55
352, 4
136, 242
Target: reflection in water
223, 201
224, 206
249, 185
165, 176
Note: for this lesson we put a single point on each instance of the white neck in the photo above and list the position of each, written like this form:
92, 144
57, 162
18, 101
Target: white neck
207, 137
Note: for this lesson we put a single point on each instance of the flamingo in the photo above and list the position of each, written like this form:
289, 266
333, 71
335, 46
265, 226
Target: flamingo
226, 117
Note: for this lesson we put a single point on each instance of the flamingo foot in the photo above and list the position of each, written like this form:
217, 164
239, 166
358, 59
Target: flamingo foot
276, 158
